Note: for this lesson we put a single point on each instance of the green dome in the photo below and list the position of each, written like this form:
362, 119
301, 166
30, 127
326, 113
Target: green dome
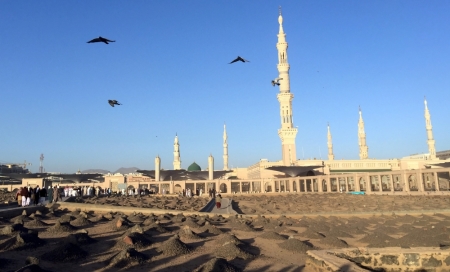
194, 167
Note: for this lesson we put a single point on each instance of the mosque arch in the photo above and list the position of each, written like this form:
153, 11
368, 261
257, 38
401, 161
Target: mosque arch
428, 181
385, 183
245, 186
324, 185
362, 184
412, 183
223, 188
443, 181
268, 187
177, 189
235, 187
398, 183
294, 186
374, 183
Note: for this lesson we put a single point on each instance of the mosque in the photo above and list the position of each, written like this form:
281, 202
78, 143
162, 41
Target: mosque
289, 165
423, 173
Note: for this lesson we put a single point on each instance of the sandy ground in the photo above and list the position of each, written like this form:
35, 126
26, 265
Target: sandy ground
60, 240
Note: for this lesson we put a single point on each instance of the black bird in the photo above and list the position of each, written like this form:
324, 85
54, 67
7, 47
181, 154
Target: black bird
113, 102
100, 39
239, 59
276, 81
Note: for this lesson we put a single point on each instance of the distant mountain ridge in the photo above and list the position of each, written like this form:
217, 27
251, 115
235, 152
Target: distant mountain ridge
121, 170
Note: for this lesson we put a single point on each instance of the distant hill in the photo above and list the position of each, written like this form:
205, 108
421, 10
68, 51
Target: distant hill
126, 170
95, 171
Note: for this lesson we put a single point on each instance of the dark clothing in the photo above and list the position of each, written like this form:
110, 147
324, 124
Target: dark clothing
24, 192
43, 192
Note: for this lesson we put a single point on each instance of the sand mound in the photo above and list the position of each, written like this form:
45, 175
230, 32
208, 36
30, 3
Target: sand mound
67, 252
135, 219
295, 245
210, 229
22, 241
377, 238
66, 218
134, 237
333, 242
311, 234
230, 251
80, 238
190, 223
271, 235
80, 222
19, 218
173, 247
157, 227
217, 265
61, 227
120, 224
36, 223
13, 229
127, 257
187, 233
227, 237
98, 218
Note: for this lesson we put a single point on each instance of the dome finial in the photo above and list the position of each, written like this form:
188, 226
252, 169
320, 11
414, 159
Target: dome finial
279, 10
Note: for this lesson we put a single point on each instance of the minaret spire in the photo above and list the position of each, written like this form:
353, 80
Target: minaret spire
225, 147
363, 149
176, 154
330, 145
429, 127
287, 132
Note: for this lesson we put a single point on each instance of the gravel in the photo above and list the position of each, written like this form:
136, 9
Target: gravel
295, 245
271, 235
173, 247
230, 250
66, 252
217, 265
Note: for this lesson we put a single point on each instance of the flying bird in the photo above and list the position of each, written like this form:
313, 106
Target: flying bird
113, 102
100, 39
276, 81
239, 59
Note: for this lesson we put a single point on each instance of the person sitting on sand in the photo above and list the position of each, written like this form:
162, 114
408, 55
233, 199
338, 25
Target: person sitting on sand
218, 201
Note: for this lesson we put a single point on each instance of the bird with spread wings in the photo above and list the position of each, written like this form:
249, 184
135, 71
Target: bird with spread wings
113, 102
276, 81
100, 39
239, 59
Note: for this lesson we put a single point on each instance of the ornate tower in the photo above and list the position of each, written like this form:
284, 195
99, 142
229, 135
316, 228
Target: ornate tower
429, 127
176, 154
225, 148
330, 145
363, 149
287, 132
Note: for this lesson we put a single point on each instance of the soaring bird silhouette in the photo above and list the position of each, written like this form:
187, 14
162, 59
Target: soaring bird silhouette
239, 59
113, 102
100, 39
276, 81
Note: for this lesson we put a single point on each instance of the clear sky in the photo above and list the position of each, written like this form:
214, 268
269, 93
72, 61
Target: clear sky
169, 68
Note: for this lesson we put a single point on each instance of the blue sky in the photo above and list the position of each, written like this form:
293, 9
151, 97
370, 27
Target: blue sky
169, 67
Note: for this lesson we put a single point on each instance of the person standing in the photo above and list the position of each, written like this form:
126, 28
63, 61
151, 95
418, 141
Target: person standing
50, 194
218, 201
36, 195
19, 197
55, 194
24, 194
42, 195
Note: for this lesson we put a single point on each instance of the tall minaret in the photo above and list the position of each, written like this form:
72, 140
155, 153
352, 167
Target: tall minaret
176, 154
225, 148
287, 132
363, 149
330, 145
429, 127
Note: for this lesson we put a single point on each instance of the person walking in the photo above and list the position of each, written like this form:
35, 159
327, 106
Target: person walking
218, 201
36, 195
24, 194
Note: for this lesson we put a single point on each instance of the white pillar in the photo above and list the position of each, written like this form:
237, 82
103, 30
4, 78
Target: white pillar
157, 168
211, 167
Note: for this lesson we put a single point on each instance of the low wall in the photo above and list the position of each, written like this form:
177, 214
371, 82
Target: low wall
380, 259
